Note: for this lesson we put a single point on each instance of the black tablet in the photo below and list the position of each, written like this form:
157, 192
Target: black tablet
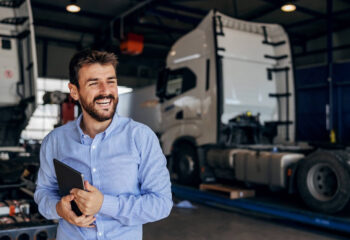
68, 178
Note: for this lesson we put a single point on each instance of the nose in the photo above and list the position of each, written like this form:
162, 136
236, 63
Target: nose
103, 87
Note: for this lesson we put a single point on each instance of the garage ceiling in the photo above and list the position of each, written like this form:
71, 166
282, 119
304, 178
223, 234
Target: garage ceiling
162, 22
157, 17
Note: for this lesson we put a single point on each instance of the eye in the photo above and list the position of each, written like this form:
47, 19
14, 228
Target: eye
93, 83
111, 81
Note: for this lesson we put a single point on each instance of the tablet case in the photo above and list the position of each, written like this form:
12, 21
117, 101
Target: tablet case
68, 178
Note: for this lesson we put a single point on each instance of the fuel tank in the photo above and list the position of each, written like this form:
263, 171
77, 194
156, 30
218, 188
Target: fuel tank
260, 167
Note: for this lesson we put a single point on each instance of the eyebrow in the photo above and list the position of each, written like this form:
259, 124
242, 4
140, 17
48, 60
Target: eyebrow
92, 79
96, 79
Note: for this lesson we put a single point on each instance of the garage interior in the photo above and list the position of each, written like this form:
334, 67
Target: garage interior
267, 166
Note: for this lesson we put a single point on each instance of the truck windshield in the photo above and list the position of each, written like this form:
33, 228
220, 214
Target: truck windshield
179, 81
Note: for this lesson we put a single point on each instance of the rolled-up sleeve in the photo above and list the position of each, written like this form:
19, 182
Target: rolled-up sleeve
46, 193
155, 200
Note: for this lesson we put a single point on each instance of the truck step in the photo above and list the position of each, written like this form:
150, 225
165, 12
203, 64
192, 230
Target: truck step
11, 3
275, 57
14, 20
283, 69
274, 70
230, 191
282, 122
274, 44
279, 95
21, 35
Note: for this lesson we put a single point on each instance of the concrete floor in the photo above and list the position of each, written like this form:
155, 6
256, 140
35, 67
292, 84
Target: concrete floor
206, 223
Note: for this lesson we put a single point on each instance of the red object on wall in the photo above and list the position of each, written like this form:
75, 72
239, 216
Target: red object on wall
132, 44
12, 210
67, 110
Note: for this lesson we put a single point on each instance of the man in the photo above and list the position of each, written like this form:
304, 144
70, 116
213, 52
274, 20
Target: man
126, 180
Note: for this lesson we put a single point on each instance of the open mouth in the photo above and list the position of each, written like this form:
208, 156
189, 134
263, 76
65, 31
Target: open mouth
104, 102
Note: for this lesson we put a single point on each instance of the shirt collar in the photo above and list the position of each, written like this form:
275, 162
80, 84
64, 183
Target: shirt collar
108, 130
81, 133
113, 125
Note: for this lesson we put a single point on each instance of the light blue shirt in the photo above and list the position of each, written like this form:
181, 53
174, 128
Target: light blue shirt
125, 162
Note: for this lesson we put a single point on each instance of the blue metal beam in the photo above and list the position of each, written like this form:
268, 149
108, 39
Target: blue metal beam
301, 216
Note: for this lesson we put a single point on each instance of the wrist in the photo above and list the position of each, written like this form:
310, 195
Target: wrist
58, 208
101, 202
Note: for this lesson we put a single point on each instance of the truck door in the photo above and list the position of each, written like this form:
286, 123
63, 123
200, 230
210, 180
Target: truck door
181, 100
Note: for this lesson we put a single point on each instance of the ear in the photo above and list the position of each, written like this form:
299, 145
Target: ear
73, 91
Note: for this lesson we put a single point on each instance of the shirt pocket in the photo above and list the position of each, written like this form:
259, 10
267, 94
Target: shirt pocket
120, 175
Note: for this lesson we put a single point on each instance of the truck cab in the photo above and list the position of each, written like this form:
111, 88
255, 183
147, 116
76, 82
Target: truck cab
224, 69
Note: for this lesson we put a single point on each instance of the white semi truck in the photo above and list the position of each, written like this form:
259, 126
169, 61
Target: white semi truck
18, 74
227, 111
18, 69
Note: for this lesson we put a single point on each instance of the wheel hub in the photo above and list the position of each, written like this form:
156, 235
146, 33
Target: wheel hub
187, 165
322, 182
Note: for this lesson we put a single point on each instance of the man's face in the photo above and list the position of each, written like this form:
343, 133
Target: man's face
98, 91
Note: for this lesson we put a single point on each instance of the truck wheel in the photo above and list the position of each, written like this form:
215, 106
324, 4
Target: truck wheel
186, 164
323, 181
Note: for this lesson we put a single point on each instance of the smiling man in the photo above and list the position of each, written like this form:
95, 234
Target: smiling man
126, 180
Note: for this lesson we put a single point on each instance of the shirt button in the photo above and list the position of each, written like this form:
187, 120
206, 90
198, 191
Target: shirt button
100, 234
94, 170
93, 147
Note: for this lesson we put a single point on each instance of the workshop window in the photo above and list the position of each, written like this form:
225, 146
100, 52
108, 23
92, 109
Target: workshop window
45, 117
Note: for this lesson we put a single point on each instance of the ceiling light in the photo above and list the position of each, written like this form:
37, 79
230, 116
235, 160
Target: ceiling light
72, 7
288, 7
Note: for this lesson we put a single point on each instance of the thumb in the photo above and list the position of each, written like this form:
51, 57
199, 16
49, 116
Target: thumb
89, 187
68, 198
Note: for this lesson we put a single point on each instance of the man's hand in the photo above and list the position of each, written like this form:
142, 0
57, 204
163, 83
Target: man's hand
64, 210
89, 201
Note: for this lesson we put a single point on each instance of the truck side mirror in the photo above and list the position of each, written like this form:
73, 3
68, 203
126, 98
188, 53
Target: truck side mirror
162, 83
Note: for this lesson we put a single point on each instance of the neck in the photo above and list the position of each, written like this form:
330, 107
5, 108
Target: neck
91, 126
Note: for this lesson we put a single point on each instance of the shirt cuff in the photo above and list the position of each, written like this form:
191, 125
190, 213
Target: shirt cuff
53, 208
110, 205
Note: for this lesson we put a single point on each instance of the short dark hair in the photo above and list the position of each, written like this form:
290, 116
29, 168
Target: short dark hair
87, 57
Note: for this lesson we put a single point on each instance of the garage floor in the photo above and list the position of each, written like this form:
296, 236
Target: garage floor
206, 223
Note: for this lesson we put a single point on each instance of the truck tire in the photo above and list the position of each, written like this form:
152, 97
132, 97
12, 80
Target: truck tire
323, 181
186, 165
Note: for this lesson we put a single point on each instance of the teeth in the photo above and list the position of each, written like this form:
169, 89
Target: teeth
104, 102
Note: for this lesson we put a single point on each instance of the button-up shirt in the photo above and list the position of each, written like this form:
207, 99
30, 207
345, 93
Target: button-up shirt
125, 162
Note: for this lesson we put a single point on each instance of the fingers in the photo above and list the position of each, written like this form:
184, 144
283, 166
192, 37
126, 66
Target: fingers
68, 198
80, 205
84, 221
90, 201
65, 202
65, 211
85, 207
80, 194
82, 201
89, 187
86, 185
